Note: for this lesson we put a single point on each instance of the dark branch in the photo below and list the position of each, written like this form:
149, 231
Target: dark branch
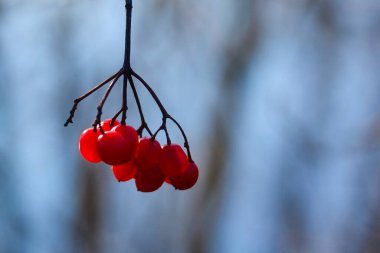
152, 93
125, 106
115, 117
127, 73
144, 125
79, 99
186, 144
127, 53
165, 116
100, 106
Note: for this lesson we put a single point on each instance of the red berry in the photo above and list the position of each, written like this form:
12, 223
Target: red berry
187, 179
113, 149
167, 180
124, 172
148, 154
106, 124
173, 160
87, 145
149, 180
130, 135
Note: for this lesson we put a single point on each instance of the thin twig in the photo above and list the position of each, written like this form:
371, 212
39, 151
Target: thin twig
152, 93
79, 99
165, 115
186, 144
144, 125
128, 73
115, 117
100, 106
163, 127
125, 106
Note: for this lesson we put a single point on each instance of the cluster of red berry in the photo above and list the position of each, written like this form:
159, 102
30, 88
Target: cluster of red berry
124, 148
142, 159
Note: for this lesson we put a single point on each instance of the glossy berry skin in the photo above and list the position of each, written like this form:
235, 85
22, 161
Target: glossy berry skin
130, 136
106, 124
88, 145
124, 172
149, 180
173, 160
148, 154
113, 148
187, 179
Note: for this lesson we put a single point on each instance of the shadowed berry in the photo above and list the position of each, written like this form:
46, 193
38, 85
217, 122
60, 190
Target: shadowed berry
148, 154
87, 145
124, 172
130, 136
149, 180
187, 179
173, 160
106, 124
113, 149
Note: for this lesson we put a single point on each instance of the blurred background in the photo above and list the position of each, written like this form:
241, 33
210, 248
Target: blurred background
279, 100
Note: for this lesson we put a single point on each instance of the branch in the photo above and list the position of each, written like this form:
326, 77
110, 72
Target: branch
127, 53
79, 99
152, 93
100, 106
116, 115
125, 106
186, 144
144, 125
165, 116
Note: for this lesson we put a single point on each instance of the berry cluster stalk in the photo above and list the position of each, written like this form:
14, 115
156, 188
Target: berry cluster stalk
128, 75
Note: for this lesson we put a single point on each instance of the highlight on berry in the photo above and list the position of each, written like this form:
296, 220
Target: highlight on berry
131, 155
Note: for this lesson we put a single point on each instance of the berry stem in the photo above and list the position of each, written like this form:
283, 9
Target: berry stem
128, 75
163, 127
115, 117
152, 93
127, 57
127, 53
186, 144
165, 116
144, 125
101, 104
79, 99
125, 106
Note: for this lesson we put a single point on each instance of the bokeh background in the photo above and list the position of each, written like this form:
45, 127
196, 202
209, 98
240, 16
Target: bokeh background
280, 101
